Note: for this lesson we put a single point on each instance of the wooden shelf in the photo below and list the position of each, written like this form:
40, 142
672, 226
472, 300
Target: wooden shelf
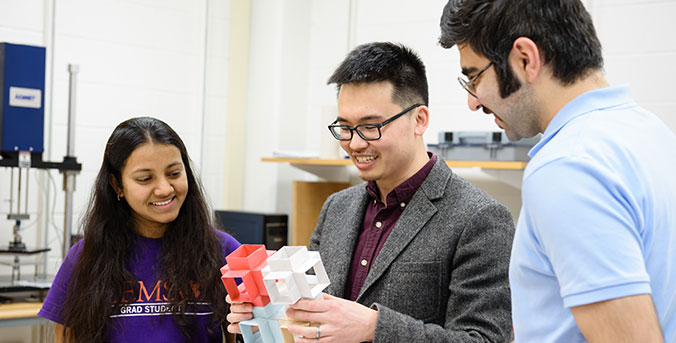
310, 161
19, 310
508, 165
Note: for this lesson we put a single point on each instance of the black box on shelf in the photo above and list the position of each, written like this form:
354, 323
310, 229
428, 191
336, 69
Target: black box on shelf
255, 228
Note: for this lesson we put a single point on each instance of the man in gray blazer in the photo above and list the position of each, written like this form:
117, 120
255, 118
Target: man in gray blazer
417, 254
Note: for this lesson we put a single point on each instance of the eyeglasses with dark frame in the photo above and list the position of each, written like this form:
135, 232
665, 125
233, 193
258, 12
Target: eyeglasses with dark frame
469, 85
367, 132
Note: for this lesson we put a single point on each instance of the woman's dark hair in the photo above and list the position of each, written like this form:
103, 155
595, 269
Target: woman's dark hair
562, 29
190, 253
384, 61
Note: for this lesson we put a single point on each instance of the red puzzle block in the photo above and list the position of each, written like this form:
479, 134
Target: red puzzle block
246, 264
246, 257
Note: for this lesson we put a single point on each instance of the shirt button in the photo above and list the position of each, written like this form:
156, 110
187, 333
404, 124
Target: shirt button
364, 263
403, 204
379, 224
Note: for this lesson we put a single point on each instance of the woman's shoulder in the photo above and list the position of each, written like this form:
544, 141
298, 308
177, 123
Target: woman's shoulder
228, 242
74, 251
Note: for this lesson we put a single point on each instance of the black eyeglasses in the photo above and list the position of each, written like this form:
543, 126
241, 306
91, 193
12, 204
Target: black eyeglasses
367, 132
471, 84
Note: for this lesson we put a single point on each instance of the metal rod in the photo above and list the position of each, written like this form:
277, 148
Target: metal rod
50, 29
11, 189
73, 69
69, 175
25, 207
69, 188
18, 196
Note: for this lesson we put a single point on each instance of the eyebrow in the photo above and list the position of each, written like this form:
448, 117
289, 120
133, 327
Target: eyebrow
145, 170
362, 119
468, 70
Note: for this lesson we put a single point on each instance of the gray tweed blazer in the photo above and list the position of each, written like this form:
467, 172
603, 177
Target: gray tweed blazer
442, 275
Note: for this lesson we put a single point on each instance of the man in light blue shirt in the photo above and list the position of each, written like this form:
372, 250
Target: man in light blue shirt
594, 255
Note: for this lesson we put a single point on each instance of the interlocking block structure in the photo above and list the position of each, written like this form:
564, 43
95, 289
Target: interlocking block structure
270, 280
246, 263
266, 318
286, 275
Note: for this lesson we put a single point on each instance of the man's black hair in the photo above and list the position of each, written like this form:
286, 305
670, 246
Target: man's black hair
562, 29
384, 61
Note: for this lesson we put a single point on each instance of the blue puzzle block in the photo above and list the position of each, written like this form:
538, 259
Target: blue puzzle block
269, 311
268, 331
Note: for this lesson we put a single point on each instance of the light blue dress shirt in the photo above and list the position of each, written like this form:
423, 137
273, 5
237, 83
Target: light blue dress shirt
598, 219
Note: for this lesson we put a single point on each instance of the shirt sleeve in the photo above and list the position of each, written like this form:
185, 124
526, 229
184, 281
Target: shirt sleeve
587, 221
229, 243
58, 293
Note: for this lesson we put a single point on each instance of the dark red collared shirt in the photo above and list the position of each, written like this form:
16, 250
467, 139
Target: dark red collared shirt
378, 223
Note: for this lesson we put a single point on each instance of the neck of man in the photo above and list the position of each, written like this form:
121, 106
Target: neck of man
418, 160
557, 95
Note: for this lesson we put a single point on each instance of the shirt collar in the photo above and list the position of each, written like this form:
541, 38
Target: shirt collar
597, 99
405, 190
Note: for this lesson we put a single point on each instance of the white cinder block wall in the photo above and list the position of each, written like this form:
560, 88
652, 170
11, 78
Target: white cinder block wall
169, 59
639, 49
160, 58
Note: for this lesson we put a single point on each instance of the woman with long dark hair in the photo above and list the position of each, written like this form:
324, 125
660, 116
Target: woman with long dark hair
147, 269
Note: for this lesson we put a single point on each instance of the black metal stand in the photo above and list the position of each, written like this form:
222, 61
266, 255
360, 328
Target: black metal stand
11, 159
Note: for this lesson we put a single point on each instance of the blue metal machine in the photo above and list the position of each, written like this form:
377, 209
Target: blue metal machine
22, 111
22, 116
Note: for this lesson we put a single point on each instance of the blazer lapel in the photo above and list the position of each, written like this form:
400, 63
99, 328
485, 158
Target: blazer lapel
341, 250
411, 221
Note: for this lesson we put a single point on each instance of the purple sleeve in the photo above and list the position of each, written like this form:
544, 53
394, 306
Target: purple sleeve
57, 295
230, 244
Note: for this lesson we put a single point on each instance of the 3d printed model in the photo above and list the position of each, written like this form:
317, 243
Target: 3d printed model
286, 277
246, 264
271, 281
266, 318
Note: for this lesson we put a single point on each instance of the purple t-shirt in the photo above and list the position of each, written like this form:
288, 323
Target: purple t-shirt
147, 317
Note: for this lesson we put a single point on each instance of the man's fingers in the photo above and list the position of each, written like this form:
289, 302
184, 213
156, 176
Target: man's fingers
311, 305
306, 316
305, 331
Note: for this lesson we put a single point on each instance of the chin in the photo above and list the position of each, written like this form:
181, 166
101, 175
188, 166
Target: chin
367, 176
167, 220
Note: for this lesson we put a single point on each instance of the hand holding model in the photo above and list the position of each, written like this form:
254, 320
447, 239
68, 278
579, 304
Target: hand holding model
338, 320
270, 281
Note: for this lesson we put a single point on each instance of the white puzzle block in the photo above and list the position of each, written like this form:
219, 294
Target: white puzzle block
288, 258
298, 260
311, 286
282, 287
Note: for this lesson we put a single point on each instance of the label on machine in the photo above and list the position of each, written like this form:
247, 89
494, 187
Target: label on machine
25, 97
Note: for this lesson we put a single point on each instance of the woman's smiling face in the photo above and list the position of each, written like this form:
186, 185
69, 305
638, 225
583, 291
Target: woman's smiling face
154, 185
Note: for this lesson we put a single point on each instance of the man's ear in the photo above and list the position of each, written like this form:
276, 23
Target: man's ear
525, 59
117, 186
422, 119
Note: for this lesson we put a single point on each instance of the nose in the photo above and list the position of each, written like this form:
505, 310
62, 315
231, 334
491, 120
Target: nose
163, 188
357, 143
473, 102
